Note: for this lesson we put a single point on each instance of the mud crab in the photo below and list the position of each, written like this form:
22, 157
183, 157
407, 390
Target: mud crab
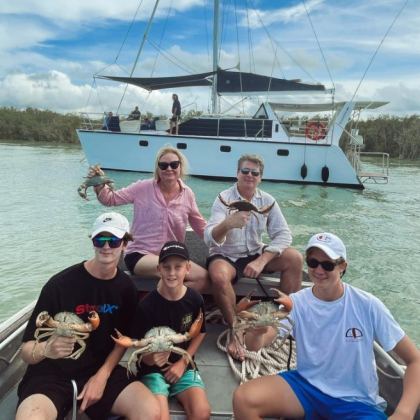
95, 177
159, 339
255, 314
244, 205
66, 324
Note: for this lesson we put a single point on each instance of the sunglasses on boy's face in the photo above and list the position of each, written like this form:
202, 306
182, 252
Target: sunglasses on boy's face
326, 265
100, 241
165, 165
246, 171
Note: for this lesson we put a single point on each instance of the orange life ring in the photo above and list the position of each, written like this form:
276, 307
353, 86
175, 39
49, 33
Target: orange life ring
315, 130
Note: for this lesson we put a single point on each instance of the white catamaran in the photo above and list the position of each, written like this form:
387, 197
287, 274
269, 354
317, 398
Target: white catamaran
298, 149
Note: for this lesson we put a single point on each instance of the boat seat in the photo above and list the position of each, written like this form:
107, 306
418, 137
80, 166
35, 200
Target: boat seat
130, 126
199, 253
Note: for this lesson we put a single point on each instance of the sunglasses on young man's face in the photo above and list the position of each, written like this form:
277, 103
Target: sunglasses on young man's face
326, 265
100, 241
246, 171
165, 165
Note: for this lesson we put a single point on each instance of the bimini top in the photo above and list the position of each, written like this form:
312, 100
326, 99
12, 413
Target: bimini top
359, 105
228, 82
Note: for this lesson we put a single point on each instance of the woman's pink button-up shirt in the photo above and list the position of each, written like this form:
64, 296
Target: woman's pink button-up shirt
154, 220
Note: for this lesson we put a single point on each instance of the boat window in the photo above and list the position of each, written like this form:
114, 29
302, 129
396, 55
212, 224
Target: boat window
282, 152
225, 148
181, 146
276, 128
143, 143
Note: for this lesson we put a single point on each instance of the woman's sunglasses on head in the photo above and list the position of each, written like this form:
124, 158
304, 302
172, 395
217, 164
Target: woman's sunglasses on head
165, 165
246, 171
113, 242
326, 265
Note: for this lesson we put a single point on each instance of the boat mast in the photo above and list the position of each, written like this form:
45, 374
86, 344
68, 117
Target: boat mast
216, 41
145, 35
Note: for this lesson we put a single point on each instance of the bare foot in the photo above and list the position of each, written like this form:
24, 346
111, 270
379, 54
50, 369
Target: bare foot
235, 347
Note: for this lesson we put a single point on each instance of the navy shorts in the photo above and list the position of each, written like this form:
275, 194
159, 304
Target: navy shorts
239, 265
318, 405
60, 391
132, 259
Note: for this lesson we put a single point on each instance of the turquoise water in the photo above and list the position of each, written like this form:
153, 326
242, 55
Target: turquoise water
44, 225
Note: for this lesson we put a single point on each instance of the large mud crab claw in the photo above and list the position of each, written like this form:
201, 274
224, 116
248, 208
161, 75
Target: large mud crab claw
94, 320
283, 299
246, 302
96, 176
195, 327
128, 342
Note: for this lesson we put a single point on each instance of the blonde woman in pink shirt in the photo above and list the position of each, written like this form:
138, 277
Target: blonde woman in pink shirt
163, 207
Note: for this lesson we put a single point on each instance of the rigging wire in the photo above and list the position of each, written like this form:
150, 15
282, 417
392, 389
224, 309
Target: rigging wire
171, 58
252, 67
206, 27
330, 75
273, 41
239, 58
128, 31
378, 47
161, 38
317, 41
149, 24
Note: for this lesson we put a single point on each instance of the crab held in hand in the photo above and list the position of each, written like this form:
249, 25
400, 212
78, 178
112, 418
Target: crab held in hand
159, 339
256, 314
244, 205
95, 177
66, 324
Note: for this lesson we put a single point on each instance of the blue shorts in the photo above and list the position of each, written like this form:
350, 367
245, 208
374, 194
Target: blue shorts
318, 405
156, 382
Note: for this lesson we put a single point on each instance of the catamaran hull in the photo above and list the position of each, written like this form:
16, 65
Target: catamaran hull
212, 157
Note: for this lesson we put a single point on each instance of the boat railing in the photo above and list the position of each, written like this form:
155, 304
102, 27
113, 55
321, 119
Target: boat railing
96, 121
91, 121
373, 170
376, 176
298, 127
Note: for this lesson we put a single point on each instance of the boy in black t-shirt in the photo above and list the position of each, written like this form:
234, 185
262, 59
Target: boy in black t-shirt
94, 285
176, 306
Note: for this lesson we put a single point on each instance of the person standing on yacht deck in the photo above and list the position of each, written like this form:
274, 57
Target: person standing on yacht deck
46, 390
176, 113
236, 246
335, 325
163, 207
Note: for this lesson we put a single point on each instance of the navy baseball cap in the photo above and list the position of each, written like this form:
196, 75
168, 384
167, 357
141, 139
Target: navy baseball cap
174, 248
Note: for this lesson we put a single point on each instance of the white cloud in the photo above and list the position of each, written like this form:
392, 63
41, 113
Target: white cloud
35, 72
52, 90
80, 11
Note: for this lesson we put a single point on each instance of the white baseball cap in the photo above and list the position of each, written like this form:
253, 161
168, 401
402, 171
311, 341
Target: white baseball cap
331, 244
111, 222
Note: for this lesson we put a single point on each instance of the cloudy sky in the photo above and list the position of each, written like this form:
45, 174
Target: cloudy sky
50, 49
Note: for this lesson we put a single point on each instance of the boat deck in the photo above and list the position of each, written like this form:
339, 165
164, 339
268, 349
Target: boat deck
375, 177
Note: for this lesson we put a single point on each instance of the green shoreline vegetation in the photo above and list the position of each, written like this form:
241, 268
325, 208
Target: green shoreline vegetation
398, 136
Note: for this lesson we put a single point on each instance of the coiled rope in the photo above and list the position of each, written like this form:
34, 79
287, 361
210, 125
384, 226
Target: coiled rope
267, 361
